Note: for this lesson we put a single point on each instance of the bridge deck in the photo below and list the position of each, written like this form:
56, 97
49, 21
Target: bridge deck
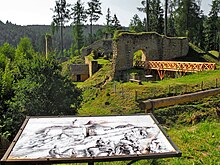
176, 66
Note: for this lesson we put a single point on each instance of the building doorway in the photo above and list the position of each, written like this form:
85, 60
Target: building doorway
78, 77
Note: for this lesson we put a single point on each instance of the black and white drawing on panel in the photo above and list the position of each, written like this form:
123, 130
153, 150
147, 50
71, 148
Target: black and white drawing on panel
69, 137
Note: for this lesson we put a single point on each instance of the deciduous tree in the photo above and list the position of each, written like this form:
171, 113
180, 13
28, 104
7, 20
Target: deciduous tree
24, 49
33, 85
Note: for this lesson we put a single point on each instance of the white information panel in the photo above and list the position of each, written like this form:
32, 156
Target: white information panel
83, 138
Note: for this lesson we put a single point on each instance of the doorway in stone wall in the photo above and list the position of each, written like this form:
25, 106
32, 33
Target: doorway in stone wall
138, 71
139, 56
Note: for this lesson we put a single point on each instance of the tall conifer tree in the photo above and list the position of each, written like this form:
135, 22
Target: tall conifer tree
165, 17
94, 11
188, 20
62, 15
212, 27
136, 24
79, 17
145, 9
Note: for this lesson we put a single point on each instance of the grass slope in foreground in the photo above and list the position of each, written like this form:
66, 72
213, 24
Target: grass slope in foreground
193, 127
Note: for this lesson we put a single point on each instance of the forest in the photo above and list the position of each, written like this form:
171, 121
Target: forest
31, 84
76, 24
11, 33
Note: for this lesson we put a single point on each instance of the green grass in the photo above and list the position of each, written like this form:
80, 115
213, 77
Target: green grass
103, 61
98, 78
199, 144
119, 98
195, 48
193, 127
190, 113
214, 53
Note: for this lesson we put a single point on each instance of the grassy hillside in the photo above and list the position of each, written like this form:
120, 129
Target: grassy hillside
119, 98
192, 126
197, 55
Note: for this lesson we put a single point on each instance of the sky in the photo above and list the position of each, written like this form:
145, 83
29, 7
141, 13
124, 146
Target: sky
38, 12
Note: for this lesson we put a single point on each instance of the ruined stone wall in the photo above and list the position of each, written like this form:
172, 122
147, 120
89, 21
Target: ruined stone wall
92, 65
81, 70
155, 47
104, 46
175, 47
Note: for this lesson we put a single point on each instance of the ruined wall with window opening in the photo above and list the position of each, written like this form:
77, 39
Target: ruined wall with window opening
153, 46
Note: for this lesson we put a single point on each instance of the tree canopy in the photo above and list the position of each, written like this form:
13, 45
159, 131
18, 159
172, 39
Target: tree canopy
32, 85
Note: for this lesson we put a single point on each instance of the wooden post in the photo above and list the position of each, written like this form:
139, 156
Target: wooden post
122, 91
136, 95
175, 90
186, 88
202, 85
114, 87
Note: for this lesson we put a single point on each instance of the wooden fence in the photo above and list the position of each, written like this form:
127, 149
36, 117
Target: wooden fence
174, 90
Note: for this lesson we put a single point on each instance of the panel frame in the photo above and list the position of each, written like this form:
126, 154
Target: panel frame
136, 157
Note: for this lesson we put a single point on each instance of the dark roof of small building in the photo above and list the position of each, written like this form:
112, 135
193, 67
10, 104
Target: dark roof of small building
79, 69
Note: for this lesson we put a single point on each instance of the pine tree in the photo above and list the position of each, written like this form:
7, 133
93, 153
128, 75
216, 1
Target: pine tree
145, 9
171, 31
108, 27
79, 17
62, 16
165, 17
188, 19
212, 27
116, 23
136, 24
156, 16
94, 11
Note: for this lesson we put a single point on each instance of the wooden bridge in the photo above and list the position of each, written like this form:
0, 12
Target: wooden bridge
175, 66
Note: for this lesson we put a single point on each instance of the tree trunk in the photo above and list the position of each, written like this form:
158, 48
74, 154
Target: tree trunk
147, 15
91, 37
219, 45
187, 15
78, 40
61, 37
165, 21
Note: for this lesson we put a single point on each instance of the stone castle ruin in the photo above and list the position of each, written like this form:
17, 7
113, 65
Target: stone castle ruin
122, 48
152, 45
102, 47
